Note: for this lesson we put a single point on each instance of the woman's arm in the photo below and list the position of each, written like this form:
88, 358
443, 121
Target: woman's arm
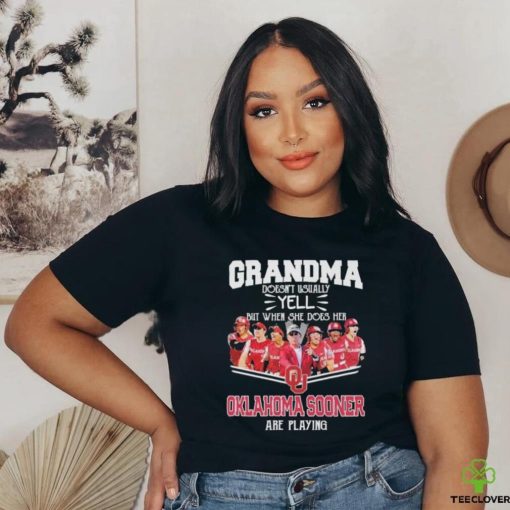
244, 355
450, 421
58, 338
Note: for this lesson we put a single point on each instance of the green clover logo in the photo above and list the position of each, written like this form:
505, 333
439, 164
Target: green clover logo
478, 472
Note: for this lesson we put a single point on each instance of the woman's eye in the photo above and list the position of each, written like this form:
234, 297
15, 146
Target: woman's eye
318, 100
260, 113
256, 112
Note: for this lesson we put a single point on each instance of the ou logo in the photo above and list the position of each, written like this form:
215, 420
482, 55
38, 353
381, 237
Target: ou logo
295, 378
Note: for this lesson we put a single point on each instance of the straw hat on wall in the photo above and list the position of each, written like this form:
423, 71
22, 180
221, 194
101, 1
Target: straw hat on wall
478, 191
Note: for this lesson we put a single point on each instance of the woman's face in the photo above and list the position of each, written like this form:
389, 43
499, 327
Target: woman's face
292, 109
335, 335
240, 329
276, 337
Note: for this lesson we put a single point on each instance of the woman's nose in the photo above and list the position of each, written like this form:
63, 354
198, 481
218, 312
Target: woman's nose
293, 130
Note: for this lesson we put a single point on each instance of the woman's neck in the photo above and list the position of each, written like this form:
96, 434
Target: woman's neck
325, 202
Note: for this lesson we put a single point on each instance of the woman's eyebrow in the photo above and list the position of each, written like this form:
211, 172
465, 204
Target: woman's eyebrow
269, 95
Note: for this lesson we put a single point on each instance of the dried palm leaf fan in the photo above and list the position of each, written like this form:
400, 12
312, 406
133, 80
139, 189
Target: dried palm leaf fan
80, 459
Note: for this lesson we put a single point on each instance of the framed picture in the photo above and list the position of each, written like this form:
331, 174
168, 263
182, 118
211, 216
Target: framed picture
68, 127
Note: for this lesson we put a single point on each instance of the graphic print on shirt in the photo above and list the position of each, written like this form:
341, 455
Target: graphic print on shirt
294, 339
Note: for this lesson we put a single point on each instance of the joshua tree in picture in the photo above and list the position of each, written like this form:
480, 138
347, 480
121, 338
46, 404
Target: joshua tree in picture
67, 130
50, 190
20, 61
115, 146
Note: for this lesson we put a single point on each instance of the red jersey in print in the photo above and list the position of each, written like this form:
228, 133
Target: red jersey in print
255, 353
237, 344
338, 350
353, 348
274, 357
323, 352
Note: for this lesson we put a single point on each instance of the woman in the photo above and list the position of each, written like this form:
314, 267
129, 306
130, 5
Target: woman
319, 350
337, 345
354, 345
297, 194
256, 350
273, 352
238, 338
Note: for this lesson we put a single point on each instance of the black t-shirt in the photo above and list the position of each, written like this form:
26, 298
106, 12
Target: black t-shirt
373, 310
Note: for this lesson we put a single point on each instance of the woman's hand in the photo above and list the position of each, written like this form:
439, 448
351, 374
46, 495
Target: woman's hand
61, 343
163, 474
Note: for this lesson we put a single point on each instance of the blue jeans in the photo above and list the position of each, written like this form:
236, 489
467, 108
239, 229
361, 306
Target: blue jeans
382, 477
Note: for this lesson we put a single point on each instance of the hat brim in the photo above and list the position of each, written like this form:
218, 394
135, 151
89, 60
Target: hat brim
470, 226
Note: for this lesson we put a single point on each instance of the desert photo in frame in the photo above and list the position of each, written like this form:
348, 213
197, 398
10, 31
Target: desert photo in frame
68, 127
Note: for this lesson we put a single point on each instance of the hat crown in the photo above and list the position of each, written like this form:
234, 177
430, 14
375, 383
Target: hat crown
478, 191
498, 190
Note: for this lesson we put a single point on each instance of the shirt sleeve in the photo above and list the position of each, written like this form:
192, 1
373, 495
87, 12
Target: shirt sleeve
117, 269
440, 330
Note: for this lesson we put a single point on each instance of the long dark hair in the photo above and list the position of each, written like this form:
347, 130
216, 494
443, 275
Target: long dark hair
364, 173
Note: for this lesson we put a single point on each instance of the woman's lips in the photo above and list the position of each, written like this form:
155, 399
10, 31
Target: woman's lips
299, 163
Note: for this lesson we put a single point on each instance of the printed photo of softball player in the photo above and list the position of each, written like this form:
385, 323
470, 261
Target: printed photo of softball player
319, 350
337, 345
262, 349
354, 345
255, 350
238, 338
274, 349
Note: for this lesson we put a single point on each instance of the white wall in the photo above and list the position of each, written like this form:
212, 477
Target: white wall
434, 66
